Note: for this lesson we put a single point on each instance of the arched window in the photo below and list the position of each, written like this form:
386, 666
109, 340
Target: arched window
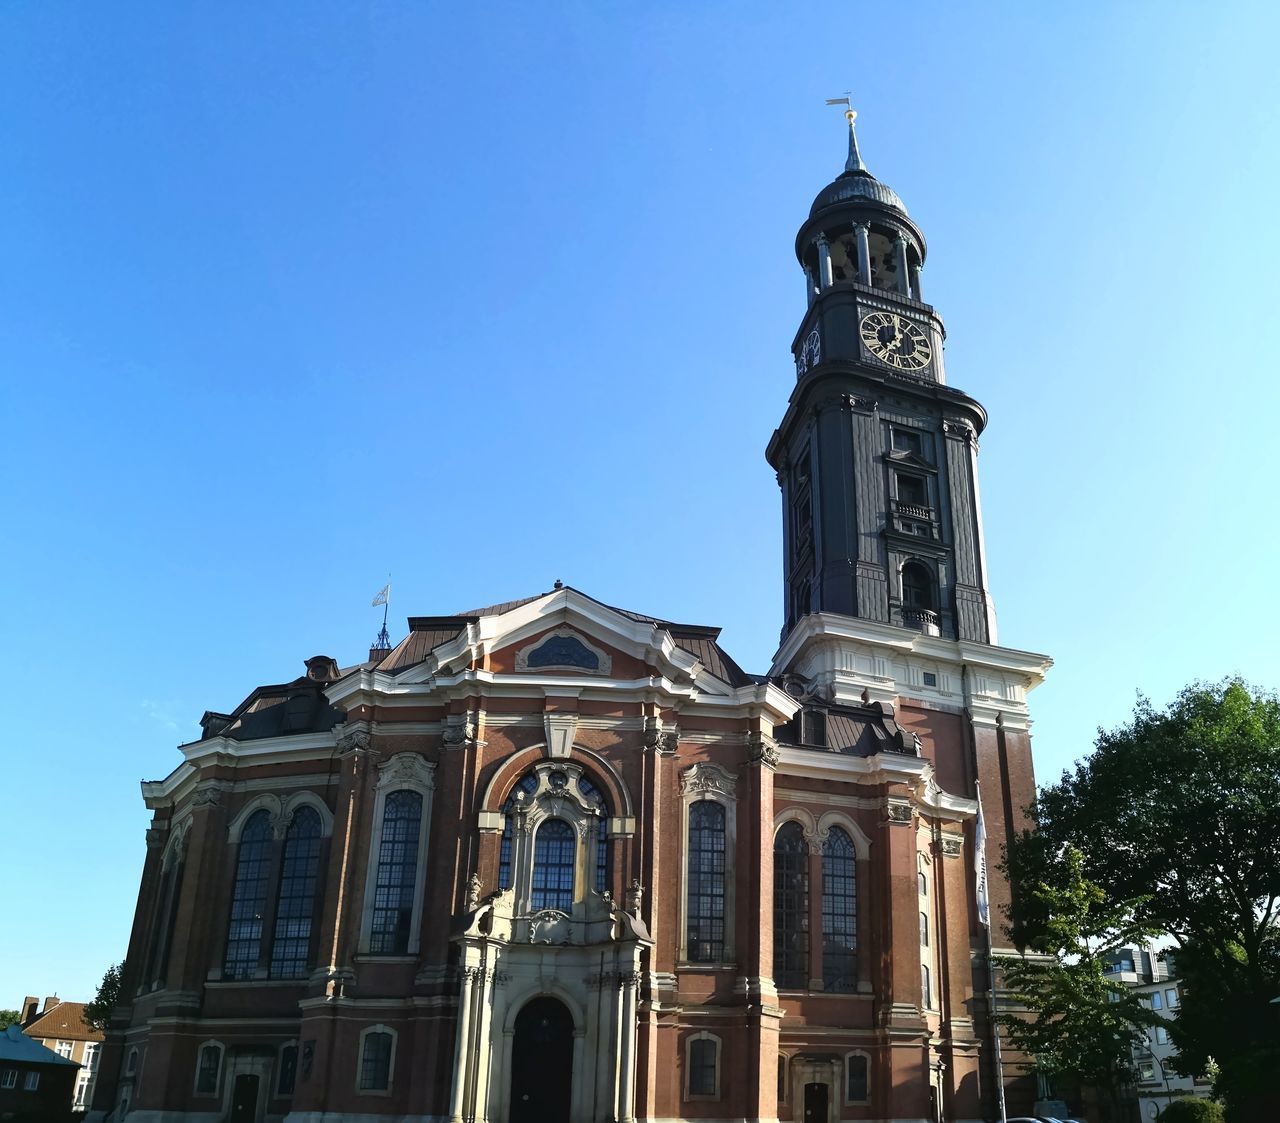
554, 858
705, 934
249, 898
595, 797
917, 586
924, 930
926, 987
526, 787
376, 1047
703, 1059
839, 912
396, 873
857, 1078
296, 902
791, 907
922, 884
209, 1069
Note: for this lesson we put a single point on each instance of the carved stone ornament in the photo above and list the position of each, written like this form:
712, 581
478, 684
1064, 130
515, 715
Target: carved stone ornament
762, 749
704, 777
662, 741
409, 769
357, 741
474, 886
209, 796
560, 730
460, 732
899, 811
565, 649
952, 846
635, 897
155, 836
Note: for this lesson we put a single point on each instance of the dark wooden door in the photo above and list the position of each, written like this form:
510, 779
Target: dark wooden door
542, 1063
815, 1103
244, 1099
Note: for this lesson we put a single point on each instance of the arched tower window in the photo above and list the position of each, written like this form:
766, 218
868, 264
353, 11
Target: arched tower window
296, 902
791, 907
396, 873
839, 912
706, 882
249, 898
595, 797
554, 862
527, 786
917, 587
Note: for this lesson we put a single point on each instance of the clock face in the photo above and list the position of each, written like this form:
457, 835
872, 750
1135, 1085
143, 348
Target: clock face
895, 340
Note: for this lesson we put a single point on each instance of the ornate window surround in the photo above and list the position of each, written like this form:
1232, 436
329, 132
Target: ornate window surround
548, 801
217, 1080
403, 772
702, 1035
281, 811
700, 781
604, 661
391, 1063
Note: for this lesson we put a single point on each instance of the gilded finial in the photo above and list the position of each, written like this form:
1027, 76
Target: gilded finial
854, 162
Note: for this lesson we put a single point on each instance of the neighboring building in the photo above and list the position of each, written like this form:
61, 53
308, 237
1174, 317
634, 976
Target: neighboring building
34, 1081
61, 1026
1152, 975
552, 860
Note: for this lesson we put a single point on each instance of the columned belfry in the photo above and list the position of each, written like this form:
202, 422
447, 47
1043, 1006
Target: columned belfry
877, 455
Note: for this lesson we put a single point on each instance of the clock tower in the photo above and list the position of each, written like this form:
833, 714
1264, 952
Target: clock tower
877, 455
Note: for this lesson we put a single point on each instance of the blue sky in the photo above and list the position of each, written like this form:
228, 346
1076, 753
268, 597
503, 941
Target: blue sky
294, 295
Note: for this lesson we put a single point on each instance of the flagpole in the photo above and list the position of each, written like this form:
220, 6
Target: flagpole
984, 915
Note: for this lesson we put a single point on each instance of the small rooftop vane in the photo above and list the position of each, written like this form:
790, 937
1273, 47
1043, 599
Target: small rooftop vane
854, 162
383, 642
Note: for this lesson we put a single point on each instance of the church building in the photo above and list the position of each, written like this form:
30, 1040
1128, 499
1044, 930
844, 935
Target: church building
556, 861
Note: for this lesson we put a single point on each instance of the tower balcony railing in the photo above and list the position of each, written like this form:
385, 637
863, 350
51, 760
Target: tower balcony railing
923, 619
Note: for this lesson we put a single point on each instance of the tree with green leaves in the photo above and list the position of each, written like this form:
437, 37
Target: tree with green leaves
98, 1012
1076, 1022
9, 1018
1179, 812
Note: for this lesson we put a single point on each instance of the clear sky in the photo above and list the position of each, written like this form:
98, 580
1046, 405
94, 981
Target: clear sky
294, 295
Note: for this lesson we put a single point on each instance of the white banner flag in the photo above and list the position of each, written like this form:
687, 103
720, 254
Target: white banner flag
383, 596
980, 864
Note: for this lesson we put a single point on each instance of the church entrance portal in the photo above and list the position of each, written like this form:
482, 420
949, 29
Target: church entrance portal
542, 1063
244, 1099
815, 1103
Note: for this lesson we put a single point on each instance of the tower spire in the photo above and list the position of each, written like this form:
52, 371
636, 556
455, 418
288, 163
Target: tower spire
854, 162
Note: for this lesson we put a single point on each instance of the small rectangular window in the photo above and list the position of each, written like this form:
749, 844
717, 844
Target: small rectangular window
1156, 1004
1171, 997
63, 1049
909, 441
856, 1090
702, 1067
375, 1064
913, 490
1162, 1036
782, 1079
930, 679
32, 1081
10, 1078
207, 1074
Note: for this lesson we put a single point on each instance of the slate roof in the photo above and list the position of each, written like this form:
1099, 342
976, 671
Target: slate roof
66, 1021
17, 1046
853, 730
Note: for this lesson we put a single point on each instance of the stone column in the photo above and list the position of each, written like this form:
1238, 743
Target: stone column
915, 280
810, 286
462, 1052
863, 233
900, 260
824, 262
627, 1047
348, 863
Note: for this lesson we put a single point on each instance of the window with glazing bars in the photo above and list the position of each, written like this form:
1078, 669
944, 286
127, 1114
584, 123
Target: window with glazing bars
375, 1062
249, 898
527, 786
554, 856
839, 912
397, 873
705, 904
296, 902
207, 1074
702, 1067
790, 907
595, 797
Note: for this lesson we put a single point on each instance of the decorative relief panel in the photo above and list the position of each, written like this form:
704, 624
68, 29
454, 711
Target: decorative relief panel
407, 770
704, 777
564, 650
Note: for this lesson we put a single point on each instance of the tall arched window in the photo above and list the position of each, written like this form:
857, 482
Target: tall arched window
396, 874
839, 912
249, 898
790, 907
917, 586
595, 797
705, 934
554, 858
296, 902
527, 786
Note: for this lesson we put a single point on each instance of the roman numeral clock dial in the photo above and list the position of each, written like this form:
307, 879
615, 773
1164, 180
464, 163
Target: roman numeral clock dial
895, 340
